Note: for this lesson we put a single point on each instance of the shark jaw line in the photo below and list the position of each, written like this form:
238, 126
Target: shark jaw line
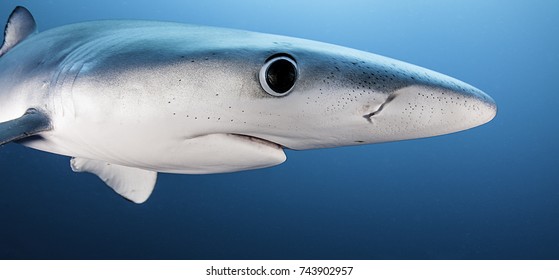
257, 140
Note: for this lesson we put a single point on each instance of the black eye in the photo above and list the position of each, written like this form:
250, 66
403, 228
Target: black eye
278, 75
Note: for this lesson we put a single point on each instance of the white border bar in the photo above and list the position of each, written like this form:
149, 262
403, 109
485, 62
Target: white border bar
170, 270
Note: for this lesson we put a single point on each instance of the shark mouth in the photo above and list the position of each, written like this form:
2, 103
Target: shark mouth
257, 140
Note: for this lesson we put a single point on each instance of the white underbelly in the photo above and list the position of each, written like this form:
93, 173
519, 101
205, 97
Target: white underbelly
152, 149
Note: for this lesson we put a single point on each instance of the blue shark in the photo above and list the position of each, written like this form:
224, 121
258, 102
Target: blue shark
128, 99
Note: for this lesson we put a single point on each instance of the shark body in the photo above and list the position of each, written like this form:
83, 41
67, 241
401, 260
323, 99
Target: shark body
128, 99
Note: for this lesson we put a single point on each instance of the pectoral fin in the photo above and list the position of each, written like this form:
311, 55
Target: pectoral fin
133, 184
31, 123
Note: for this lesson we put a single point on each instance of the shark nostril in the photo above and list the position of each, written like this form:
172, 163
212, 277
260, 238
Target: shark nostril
380, 108
368, 116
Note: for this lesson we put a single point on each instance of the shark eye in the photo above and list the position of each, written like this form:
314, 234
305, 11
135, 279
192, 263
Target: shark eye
278, 75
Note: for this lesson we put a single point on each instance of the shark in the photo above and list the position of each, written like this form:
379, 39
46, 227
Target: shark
128, 99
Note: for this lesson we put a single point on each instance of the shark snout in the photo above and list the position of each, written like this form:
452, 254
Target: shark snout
424, 110
487, 107
451, 107
475, 105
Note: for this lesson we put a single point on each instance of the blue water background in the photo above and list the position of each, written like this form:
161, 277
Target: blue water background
488, 193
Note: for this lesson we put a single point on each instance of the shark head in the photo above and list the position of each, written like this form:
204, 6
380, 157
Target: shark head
314, 95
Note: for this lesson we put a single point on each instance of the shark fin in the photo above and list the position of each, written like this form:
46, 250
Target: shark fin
31, 123
133, 184
21, 25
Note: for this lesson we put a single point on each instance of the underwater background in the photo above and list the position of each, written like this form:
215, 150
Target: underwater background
491, 192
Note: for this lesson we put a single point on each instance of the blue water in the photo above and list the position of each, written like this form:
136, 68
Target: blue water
488, 193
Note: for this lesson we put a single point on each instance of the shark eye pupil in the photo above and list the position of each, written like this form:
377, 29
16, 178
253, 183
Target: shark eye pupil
281, 75
278, 76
